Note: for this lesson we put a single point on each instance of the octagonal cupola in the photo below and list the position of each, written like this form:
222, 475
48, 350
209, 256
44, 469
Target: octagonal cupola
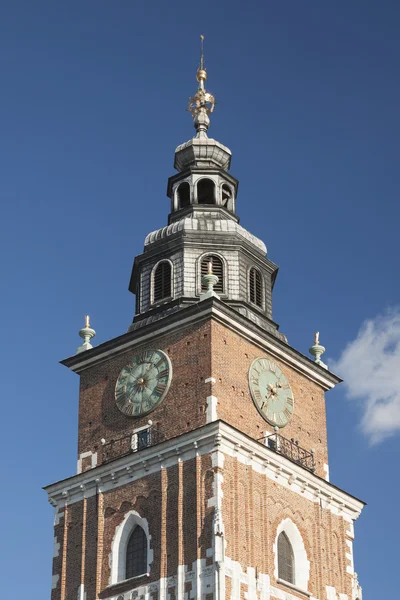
203, 229
202, 164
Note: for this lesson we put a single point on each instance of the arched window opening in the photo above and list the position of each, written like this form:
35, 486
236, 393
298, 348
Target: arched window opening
255, 287
183, 195
226, 196
217, 269
136, 553
162, 281
206, 191
285, 559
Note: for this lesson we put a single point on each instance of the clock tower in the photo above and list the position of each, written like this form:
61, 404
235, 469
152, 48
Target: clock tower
202, 469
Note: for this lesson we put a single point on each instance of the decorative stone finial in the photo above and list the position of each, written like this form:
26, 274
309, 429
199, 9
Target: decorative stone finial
86, 333
209, 281
317, 351
202, 103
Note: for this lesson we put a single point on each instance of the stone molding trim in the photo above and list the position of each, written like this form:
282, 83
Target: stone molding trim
217, 435
198, 225
218, 310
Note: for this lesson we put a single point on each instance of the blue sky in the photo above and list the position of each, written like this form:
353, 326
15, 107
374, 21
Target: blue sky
92, 106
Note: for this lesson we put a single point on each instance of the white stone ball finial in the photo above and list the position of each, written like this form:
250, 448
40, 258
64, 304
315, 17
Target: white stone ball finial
86, 333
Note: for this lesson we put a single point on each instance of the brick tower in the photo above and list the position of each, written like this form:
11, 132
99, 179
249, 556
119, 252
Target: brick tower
202, 452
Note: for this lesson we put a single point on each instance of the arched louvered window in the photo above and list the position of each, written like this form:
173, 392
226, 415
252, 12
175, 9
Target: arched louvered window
162, 284
255, 287
285, 558
217, 269
136, 553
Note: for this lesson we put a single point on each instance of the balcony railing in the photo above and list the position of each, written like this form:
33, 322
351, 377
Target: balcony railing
130, 443
291, 450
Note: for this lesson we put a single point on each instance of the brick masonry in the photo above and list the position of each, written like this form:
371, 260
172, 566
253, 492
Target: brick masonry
180, 503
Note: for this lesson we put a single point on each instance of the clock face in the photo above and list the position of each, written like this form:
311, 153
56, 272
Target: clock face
271, 392
143, 383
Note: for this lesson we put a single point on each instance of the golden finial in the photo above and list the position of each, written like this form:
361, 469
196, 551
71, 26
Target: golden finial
87, 321
209, 268
202, 101
316, 338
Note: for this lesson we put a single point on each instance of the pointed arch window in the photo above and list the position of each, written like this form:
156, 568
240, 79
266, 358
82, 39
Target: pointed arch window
255, 287
285, 559
162, 281
217, 269
136, 553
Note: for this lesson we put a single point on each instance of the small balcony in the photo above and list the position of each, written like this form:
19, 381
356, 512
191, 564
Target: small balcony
128, 444
290, 449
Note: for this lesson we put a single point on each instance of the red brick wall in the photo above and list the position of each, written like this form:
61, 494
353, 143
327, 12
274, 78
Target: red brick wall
183, 409
232, 356
197, 353
253, 508
173, 501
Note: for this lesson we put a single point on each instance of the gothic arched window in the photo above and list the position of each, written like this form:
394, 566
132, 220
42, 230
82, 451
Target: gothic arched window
136, 553
285, 559
162, 281
255, 287
206, 191
217, 269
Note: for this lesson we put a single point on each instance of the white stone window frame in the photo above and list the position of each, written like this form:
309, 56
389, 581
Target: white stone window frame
301, 562
262, 307
119, 546
224, 272
167, 298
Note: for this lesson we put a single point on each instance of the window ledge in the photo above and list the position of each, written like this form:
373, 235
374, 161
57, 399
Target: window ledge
124, 582
293, 587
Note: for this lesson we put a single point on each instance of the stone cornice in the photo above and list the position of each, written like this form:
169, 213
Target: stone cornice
219, 311
214, 436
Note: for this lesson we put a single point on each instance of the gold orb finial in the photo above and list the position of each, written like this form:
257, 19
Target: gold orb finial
201, 75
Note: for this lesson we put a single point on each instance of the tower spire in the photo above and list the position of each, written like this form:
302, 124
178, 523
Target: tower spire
202, 103
201, 52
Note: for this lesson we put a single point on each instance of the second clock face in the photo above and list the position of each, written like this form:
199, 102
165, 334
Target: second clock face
271, 392
143, 383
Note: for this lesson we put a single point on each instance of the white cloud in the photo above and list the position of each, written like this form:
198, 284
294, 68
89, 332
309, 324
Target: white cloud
370, 367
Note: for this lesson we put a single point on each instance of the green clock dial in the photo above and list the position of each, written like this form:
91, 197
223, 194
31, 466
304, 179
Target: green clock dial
143, 383
271, 392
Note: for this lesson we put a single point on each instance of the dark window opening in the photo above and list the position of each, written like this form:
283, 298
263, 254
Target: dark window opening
217, 269
183, 195
162, 281
285, 559
226, 196
206, 191
136, 553
255, 287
